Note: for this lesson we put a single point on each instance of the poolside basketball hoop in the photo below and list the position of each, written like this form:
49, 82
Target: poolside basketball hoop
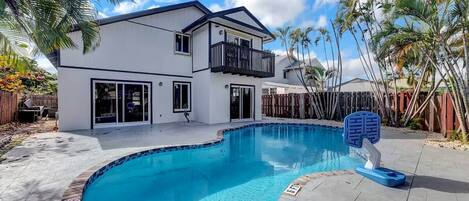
362, 129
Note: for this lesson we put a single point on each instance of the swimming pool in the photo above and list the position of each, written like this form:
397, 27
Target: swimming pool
256, 162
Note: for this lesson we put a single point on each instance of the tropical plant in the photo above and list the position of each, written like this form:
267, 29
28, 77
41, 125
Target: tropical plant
318, 75
45, 24
21, 74
428, 35
297, 43
359, 18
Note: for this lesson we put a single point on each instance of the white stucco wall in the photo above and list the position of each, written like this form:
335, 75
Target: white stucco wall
243, 17
75, 101
220, 96
217, 37
200, 48
202, 96
126, 46
134, 47
292, 76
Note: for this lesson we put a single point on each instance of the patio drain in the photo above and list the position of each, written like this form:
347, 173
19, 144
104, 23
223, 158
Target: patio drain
292, 189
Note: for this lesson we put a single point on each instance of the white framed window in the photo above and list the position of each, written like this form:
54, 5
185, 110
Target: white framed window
181, 96
182, 43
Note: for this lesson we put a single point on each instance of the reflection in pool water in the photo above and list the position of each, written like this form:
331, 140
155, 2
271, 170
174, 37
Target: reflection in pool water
252, 163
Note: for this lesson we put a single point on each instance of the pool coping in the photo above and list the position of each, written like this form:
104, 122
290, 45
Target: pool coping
305, 179
75, 190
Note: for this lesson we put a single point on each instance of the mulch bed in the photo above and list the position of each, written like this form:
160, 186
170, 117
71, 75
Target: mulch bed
12, 134
437, 140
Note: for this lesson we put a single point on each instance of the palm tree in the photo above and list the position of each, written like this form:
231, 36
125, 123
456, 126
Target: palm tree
318, 76
46, 24
359, 18
430, 34
297, 43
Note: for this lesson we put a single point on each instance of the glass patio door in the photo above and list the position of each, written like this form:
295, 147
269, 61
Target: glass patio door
120, 103
241, 103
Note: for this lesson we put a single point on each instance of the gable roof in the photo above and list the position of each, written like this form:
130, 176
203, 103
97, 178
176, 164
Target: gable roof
223, 14
354, 80
152, 11
302, 64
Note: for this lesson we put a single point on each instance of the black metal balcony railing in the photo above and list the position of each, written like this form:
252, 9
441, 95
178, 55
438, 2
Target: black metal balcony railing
235, 59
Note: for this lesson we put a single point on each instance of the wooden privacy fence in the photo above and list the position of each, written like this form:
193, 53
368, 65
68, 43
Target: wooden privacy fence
50, 101
8, 107
438, 116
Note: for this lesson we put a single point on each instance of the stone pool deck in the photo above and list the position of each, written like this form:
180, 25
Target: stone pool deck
43, 166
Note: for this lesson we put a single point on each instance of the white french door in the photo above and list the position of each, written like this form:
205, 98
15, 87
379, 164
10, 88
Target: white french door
118, 103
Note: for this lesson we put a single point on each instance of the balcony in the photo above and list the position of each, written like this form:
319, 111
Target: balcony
235, 59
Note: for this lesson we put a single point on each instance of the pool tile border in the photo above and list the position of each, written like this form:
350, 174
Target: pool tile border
79, 185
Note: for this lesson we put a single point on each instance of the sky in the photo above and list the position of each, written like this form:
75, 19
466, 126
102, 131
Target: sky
272, 13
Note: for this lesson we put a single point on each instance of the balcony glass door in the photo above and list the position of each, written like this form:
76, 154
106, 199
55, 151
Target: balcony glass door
238, 55
120, 103
242, 103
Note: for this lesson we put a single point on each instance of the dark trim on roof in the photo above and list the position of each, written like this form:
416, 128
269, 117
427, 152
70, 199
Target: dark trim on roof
153, 11
222, 14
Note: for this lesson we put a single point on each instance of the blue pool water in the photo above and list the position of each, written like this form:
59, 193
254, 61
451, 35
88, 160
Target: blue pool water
252, 163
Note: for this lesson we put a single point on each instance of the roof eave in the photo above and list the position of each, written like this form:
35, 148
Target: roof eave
153, 11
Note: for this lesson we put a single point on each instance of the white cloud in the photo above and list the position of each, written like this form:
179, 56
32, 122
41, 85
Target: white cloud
102, 15
45, 64
319, 23
353, 68
271, 13
322, 22
153, 6
129, 6
215, 7
321, 3
283, 52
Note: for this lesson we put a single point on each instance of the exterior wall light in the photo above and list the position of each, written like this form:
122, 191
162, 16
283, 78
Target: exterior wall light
160, 84
226, 86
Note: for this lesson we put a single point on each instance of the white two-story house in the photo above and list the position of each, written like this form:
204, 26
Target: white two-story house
154, 66
287, 75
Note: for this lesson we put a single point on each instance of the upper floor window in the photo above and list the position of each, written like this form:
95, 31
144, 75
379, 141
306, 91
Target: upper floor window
182, 43
284, 74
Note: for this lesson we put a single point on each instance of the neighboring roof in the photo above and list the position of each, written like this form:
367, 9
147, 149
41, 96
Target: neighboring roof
222, 14
355, 80
152, 11
276, 84
296, 62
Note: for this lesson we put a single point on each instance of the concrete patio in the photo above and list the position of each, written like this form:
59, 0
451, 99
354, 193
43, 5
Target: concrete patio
43, 166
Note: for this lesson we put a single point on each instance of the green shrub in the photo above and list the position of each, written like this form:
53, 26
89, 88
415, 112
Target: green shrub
415, 124
455, 135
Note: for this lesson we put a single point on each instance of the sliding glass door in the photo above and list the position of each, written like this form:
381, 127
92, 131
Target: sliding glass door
120, 103
241, 103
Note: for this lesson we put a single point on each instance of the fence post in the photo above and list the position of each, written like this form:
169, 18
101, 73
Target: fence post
292, 107
302, 106
431, 118
273, 105
449, 114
